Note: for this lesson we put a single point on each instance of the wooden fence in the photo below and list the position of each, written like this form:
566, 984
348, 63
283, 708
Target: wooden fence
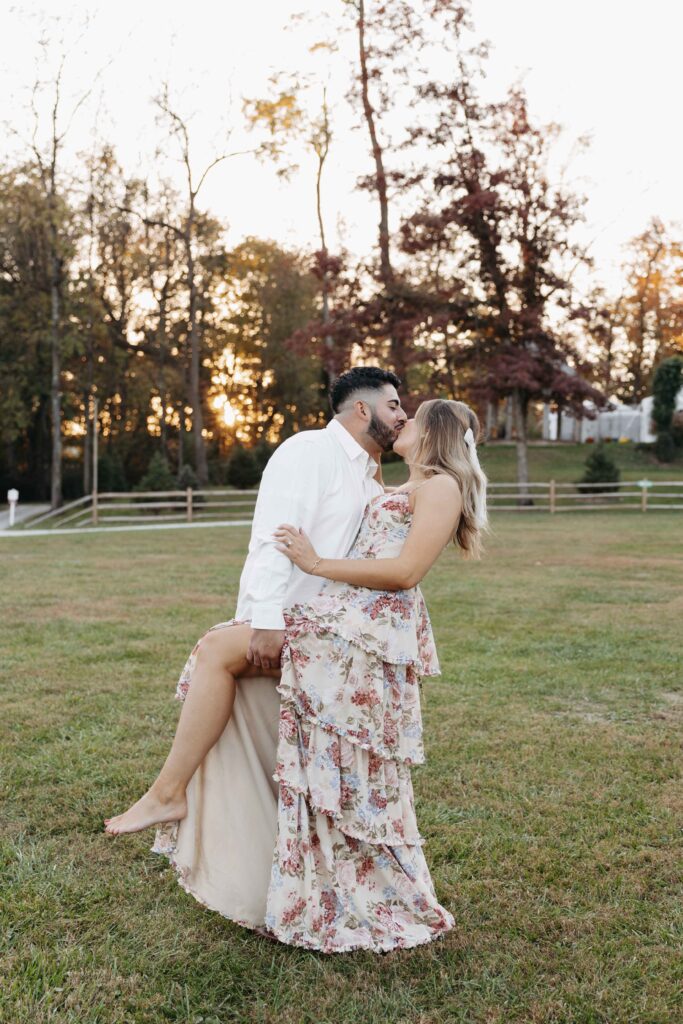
556, 496
236, 507
151, 507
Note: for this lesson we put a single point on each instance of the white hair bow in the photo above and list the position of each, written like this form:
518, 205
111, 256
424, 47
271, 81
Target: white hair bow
480, 499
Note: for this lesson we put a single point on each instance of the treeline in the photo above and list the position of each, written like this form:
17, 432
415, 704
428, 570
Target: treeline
125, 297
151, 326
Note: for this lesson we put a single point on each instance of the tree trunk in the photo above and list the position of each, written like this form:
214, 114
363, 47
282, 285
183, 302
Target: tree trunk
196, 399
508, 418
520, 404
55, 384
40, 470
87, 398
87, 444
195, 402
386, 269
399, 354
328, 341
161, 339
491, 419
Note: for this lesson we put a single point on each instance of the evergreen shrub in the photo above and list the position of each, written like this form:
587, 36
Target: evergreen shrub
665, 446
158, 476
600, 469
244, 471
187, 478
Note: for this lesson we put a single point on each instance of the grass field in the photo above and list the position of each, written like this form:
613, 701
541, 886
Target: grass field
551, 799
562, 462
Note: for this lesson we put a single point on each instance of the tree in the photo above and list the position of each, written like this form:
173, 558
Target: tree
265, 391
600, 318
651, 307
284, 119
111, 277
383, 33
385, 309
163, 278
504, 234
187, 229
46, 156
24, 327
668, 381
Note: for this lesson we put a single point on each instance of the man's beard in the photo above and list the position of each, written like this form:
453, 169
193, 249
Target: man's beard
383, 435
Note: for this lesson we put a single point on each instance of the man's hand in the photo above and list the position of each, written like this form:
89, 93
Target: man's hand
265, 647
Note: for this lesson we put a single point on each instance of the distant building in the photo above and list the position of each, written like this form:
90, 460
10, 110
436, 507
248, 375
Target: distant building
618, 420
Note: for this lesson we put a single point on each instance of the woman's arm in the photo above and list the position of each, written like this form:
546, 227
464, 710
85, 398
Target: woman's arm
437, 511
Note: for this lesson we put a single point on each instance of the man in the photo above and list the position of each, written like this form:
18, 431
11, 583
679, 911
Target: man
321, 480
222, 823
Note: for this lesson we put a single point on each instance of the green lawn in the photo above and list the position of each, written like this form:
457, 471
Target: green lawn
551, 799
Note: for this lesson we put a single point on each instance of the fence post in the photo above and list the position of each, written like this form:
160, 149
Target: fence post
552, 497
189, 504
644, 485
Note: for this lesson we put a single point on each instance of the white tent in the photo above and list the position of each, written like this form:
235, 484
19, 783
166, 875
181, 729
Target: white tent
618, 420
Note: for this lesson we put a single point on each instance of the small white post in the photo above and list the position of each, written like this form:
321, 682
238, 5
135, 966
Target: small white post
552, 497
644, 484
189, 504
12, 498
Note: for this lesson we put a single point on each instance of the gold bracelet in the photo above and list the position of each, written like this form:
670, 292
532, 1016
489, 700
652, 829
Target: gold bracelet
315, 566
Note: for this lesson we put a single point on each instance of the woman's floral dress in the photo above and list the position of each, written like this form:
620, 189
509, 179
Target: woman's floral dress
348, 868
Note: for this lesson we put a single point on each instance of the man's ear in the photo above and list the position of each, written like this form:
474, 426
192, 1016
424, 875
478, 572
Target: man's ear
362, 409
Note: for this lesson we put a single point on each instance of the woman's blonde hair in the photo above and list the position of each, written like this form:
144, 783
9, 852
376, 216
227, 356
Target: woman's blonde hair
441, 448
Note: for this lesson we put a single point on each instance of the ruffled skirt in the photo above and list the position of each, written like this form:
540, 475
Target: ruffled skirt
333, 826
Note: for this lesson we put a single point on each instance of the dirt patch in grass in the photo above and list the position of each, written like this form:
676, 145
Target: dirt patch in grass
588, 711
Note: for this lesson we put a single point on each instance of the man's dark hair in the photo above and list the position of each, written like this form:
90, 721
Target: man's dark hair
360, 378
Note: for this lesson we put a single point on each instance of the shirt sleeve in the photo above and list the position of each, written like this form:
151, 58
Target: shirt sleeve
291, 488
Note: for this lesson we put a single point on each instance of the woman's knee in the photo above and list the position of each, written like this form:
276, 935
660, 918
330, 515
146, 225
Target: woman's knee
224, 647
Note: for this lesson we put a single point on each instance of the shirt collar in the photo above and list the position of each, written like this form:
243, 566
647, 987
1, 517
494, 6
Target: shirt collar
351, 446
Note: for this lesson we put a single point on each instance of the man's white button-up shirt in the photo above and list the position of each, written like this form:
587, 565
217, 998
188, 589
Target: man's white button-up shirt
320, 480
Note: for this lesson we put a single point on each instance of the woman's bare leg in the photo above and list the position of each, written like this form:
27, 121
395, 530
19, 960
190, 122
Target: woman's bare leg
220, 659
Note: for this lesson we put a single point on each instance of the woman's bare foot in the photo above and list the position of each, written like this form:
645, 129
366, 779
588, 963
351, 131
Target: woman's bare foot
149, 810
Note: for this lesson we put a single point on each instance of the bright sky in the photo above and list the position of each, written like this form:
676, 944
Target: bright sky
608, 68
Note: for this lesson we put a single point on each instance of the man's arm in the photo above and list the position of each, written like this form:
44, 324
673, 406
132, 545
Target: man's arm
293, 480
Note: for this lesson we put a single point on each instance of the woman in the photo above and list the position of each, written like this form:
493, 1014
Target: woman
347, 869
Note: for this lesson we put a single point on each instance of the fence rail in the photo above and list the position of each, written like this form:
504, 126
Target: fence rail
151, 507
559, 496
204, 506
